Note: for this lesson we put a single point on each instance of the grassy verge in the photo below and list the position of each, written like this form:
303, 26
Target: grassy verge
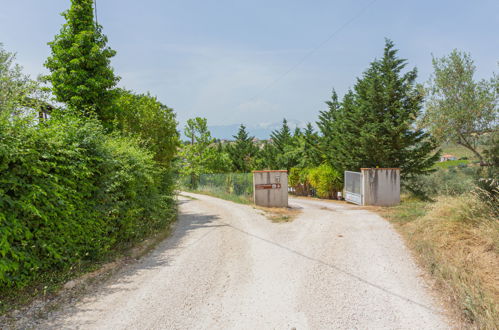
54, 287
457, 240
223, 195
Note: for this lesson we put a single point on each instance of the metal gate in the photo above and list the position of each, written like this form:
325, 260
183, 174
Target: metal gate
353, 188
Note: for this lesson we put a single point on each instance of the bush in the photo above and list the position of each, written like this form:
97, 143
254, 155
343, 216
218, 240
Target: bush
298, 180
326, 181
69, 192
144, 116
449, 182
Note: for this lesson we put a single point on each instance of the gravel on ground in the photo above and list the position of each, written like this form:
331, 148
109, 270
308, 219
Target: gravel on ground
226, 266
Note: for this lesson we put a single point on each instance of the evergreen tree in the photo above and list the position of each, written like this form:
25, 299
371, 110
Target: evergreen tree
377, 121
81, 75
267, 157
327, 120
284, 145
308, 153
282, 137
243, 151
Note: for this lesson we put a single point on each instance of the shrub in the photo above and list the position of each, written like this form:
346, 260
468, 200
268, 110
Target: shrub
449, 182
69, 192
326, 181
298, 180
144, 116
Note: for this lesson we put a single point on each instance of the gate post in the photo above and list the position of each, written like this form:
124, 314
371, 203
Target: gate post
380, 186
270, 188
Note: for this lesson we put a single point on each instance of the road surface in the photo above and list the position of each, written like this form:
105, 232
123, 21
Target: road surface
226, 266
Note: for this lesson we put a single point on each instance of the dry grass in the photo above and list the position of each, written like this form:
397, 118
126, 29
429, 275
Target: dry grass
457, 240
279, 214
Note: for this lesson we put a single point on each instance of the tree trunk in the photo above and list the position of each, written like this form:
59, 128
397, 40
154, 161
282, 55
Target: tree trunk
468, 146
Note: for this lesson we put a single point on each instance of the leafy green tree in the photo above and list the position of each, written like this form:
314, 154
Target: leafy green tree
198, 156
18, 93
80, 71
143, 115
220, 162
460, 109
243, 151
376, 124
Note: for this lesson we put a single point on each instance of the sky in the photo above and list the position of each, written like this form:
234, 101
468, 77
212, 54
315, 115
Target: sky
256, 62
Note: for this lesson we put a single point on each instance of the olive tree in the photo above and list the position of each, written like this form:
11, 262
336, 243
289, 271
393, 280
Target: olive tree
460, 109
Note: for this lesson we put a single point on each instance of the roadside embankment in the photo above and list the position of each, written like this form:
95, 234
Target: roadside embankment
456, 239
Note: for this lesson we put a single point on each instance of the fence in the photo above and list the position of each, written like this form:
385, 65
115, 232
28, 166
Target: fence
232, 186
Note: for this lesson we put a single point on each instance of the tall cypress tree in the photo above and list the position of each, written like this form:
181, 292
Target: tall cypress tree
282, 137
284, 147
377, 121
81, 75
326, 122
243, 151
308, 148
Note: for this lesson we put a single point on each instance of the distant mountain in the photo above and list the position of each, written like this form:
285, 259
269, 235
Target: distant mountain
260, 131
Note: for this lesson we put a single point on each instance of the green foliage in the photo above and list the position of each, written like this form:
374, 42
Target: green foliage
280, 152
326, 181
459, 109
307, 149
236, 187
16, 88
79, 65
298, 180
243, 151
142, 115
450, 181
374, 126
68, 192
452, 163
201, 155
328, 122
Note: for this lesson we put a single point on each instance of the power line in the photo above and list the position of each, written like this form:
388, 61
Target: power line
311, 52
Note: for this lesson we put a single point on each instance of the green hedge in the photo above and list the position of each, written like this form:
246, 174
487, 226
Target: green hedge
69, 192
322, 181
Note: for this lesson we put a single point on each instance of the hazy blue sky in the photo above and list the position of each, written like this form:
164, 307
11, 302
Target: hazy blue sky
214, 58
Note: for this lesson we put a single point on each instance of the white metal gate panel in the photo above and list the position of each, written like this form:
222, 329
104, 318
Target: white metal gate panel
353, 188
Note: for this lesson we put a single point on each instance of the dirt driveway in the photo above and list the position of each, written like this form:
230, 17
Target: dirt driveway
228, 267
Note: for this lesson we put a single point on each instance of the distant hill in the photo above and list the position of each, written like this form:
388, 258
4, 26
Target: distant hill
261, 131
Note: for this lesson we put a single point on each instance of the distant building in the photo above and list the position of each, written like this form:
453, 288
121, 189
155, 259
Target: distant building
447, 157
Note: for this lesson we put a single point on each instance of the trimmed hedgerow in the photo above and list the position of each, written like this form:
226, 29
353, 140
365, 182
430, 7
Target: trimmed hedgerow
69, 192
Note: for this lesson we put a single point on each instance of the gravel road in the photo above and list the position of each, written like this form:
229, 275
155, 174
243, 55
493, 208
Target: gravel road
226, 266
